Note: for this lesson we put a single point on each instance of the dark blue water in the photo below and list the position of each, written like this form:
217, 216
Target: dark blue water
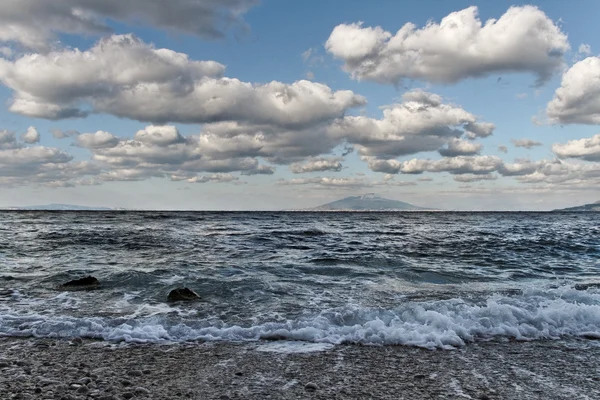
428, 279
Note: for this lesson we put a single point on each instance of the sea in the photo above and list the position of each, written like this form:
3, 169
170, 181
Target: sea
437, 280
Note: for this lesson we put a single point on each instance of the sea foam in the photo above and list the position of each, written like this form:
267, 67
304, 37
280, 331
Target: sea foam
532, 315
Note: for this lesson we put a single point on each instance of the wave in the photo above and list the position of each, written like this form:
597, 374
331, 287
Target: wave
443, 324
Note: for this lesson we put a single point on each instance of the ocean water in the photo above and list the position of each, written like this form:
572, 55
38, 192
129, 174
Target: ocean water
433, 279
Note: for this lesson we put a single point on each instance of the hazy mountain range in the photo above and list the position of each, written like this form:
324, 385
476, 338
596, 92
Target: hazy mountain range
592, 207
368, 202
59, 207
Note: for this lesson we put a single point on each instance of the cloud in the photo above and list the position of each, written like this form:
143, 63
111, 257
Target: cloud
519, 168
521, 95
524, 39
474, 178
61, 134
31, 136
577, 100
585, 149
260, 170
6, 51
453, 165
217, 178
160, 136
503, 149
317, 165
123, 76
526, 143
97, 140
422, 122
326, 182
478, 165
36, 24
8, 140
457, 147
584, 49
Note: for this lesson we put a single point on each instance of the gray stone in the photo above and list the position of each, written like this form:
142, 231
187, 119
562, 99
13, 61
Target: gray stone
127, 395
141, 390
182, 294
134, 372
310, 386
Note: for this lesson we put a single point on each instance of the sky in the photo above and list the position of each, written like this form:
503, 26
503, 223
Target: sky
268, 105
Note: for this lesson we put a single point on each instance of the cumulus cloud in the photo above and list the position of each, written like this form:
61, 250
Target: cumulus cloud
31, 136
461, 46
8, 140
526, 143
457, 147
585, 149
123, 76
318, 165
454, 165
326, 182
97, 140
422, 122
218, 178
36, 24
474, 178
577, 100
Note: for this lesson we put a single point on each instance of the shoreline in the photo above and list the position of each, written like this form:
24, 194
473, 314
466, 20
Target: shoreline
88, 369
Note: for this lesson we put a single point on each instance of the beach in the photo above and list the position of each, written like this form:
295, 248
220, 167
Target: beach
87, 369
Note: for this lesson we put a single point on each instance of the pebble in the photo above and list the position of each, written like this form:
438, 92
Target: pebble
141, 390
134, 372
311, 386
82, 390
127, 395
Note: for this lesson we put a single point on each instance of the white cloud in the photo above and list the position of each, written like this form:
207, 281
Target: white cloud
422, 122
577, 100
317, 165
475, 177
159, 135
123, 76
37, 23
327, 182
524, 39
31, 136
586, 149
526, 143
457, 147
218, 178
97, 140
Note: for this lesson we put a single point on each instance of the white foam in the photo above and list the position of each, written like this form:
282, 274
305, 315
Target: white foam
289, 347
536, 314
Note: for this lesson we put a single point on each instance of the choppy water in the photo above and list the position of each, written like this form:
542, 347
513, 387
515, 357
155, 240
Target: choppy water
426, 279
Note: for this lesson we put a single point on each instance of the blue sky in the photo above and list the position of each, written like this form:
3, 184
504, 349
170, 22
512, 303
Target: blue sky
252, 152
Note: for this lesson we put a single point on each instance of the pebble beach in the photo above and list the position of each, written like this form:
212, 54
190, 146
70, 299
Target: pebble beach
87, 369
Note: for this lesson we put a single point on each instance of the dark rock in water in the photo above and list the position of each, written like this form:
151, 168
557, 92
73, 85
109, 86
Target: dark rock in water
586, 286
83, 282
311, 387
182, 294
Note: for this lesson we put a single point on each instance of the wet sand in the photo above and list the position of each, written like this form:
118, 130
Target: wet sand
59, 369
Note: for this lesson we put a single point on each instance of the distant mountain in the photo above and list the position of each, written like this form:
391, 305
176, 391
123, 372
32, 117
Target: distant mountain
593, 207
368, 202
60, 207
